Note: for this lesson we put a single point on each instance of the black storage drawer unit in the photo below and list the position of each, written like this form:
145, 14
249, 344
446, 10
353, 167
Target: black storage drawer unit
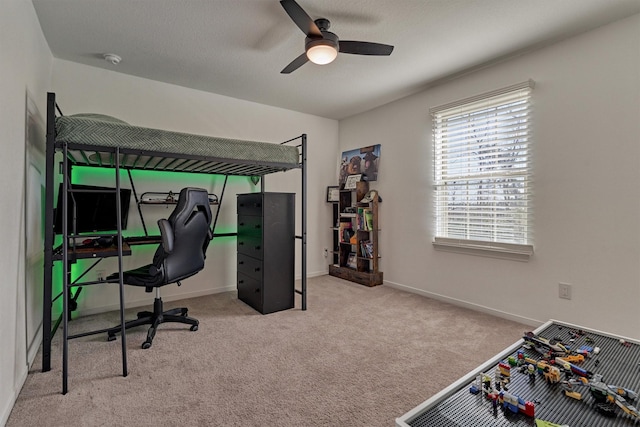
266, 250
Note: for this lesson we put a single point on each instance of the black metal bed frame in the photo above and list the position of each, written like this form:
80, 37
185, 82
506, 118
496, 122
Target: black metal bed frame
157, 161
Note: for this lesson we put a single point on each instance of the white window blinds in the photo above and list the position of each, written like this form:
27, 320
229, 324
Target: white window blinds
482, 167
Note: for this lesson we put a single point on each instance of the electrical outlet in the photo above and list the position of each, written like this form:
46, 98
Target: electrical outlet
100, 274
326, 252
564, 290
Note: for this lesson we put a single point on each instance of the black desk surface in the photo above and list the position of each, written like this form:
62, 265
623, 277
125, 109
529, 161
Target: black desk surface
112, 251
92, 252
143, 240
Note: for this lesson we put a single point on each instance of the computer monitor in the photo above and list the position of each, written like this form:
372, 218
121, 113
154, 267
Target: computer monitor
95, 209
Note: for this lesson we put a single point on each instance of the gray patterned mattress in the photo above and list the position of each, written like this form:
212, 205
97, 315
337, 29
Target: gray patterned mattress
92, 138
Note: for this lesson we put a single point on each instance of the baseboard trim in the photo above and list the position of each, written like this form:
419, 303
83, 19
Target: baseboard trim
32, 350
461, 303
315, 274
185, 295
146, 302
6, 411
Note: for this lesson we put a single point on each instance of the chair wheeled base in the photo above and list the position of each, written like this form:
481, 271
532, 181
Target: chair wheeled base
154, 319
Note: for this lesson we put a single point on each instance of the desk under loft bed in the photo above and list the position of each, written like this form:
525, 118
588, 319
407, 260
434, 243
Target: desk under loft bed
105, 142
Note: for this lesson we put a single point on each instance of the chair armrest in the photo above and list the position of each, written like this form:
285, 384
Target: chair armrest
166, 232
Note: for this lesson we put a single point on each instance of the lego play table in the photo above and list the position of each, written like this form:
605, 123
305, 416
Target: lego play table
617, 362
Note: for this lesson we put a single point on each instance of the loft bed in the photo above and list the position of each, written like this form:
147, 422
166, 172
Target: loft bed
106, 142
92, 138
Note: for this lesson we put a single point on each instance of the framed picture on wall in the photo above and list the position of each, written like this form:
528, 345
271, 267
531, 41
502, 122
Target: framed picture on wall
350, 182
333, 194
365, 161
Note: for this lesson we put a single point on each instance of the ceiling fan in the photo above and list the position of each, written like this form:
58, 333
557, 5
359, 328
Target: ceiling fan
321, 45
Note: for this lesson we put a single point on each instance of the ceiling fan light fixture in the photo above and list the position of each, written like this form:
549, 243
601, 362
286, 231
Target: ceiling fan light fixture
322, 54
323, 50
321, 46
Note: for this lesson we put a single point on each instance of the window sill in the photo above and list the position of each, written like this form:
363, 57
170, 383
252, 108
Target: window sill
508, 251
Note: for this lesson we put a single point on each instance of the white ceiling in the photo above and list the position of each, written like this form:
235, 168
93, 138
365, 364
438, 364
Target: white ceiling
238, 47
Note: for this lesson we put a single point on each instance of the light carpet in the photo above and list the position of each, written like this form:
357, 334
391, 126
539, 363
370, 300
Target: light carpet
357, 357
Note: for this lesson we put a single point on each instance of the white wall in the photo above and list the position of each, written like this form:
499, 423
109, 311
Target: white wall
586, 202
143, 102
25, 69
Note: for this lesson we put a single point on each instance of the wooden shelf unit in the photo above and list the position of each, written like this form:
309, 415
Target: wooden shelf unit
355, 237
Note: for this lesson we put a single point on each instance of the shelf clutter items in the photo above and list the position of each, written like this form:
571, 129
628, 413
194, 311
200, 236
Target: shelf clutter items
355, 236
168, 198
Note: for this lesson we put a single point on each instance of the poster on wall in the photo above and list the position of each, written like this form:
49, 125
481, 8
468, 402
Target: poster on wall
363, 161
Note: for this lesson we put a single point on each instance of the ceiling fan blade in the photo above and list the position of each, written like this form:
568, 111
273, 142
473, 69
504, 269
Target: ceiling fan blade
365, 48
301, 18
295, 64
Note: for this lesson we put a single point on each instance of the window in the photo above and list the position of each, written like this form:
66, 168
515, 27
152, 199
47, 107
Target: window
482, 167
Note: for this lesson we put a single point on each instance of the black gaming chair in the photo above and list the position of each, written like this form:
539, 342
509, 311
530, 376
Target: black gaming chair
185, 237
